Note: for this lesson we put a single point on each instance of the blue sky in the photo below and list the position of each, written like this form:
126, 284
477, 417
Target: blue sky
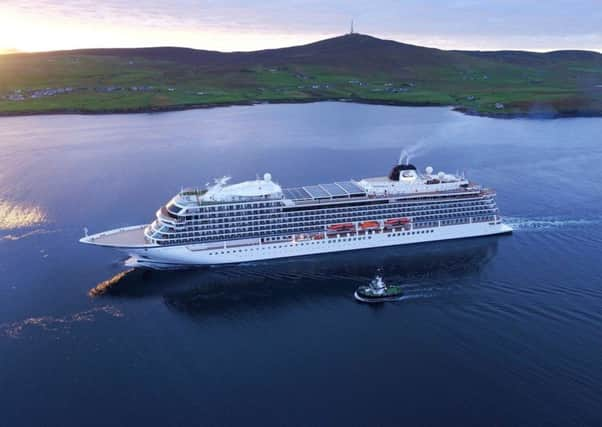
246, 25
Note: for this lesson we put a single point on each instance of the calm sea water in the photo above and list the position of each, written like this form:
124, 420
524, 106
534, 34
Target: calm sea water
498, 331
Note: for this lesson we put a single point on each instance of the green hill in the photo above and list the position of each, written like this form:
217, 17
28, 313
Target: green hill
353, 67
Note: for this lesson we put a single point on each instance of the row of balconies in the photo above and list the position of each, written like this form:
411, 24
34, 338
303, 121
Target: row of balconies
196, 238
325, 217
308, 226
402, 209
189, 225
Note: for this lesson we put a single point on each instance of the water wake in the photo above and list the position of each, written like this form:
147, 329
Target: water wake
423, 295
14, 237
546, 223
104, 286
54, 324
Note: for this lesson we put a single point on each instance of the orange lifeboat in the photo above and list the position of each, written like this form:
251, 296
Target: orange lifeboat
369, 225
337, 228
397, 221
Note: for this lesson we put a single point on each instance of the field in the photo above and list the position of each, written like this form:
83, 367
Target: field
357, 68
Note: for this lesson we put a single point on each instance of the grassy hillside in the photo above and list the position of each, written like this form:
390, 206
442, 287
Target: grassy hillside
353, 67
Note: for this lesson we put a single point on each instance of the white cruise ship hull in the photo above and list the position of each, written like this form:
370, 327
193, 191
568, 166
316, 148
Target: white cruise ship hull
259, 220
181, 256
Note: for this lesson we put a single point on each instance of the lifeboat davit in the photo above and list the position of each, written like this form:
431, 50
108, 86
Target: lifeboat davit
397, 221
369, 225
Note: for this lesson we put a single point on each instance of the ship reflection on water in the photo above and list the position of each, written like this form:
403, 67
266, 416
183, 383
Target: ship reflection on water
219, 290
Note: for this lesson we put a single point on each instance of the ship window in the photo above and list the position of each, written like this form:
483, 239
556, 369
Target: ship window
173, 208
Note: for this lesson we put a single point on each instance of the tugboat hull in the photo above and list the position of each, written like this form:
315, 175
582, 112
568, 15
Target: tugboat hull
364, 294
378, 300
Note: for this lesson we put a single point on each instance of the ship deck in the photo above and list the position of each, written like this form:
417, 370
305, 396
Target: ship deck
127, 237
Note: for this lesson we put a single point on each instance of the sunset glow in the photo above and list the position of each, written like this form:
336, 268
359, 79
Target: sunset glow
34, 32
14, 216
42, 25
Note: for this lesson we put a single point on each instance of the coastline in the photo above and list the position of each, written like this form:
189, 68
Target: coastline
529, 115
186, 107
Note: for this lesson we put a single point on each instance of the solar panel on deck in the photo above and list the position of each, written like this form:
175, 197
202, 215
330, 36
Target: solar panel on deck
316, 192
351, 187
302, 194
296, 194
334, 190
323, 191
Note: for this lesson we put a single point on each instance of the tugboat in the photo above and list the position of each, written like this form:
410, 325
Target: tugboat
378, 291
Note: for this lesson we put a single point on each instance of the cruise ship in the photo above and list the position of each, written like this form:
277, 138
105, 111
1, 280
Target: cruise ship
259, 220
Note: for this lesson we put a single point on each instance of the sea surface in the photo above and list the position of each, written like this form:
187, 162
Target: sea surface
498, 331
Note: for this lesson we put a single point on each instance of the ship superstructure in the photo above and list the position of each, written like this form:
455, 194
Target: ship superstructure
259, 220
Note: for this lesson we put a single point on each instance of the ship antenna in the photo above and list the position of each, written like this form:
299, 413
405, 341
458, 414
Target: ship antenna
351, 30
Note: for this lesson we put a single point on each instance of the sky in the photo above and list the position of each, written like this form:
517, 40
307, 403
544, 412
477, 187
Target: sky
231, 25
